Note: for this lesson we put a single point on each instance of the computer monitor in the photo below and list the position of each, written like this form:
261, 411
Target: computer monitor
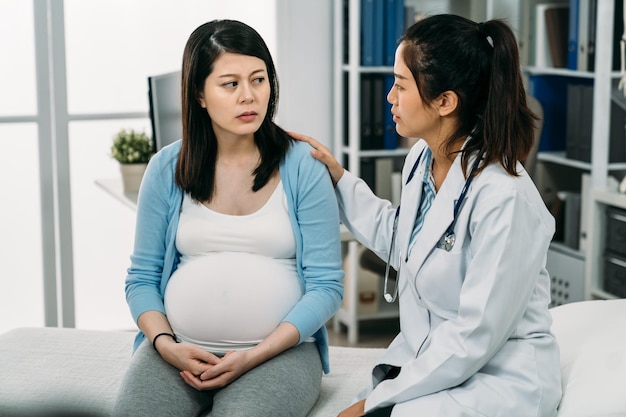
165, 108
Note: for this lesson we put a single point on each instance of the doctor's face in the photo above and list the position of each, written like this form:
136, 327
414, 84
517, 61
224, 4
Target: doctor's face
236, 94
413, 117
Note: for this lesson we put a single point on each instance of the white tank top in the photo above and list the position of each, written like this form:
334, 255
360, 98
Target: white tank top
237, 277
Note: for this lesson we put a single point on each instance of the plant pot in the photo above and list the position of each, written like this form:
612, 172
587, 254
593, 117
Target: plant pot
131, 177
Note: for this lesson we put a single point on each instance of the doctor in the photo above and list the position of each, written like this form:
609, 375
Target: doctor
472, 234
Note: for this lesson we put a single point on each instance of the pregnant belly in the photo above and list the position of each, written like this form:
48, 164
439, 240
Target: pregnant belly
228, 300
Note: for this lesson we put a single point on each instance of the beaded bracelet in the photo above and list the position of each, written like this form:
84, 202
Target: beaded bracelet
162, 334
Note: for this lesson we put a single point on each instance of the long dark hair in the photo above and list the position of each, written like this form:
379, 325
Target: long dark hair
480, 63
195, 170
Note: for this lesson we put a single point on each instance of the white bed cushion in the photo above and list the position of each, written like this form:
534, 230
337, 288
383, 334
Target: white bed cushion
61, 372
57, 372
592, 338
50, 371
349, 374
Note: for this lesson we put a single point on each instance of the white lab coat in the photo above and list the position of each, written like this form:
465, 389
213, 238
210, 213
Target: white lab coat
475, 334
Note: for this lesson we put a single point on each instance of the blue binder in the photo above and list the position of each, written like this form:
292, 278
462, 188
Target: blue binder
394, 28
372, 32
378, 33
572, 41
551, 92
367, 32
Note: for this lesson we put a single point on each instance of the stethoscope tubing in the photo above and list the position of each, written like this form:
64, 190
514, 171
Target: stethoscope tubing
447, 240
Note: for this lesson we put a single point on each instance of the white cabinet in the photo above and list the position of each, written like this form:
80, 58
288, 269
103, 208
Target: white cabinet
567, 271
597, 260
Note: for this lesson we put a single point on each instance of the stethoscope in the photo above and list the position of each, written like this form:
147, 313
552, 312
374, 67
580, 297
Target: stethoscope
447, 240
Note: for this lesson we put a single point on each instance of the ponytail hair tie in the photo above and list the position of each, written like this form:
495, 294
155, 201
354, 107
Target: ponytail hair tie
481, 30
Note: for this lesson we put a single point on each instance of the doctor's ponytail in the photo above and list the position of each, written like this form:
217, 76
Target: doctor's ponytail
507, 121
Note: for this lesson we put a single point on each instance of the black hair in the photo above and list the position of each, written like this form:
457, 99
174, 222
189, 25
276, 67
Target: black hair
195, 170
479, 62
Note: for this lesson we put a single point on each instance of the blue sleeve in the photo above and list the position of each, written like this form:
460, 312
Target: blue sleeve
154, 248
317, 224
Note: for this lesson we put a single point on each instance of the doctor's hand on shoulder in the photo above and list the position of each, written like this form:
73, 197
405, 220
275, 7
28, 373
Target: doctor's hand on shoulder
322, 154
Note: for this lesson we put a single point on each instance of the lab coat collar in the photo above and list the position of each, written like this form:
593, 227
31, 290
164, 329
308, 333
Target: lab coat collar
438, 218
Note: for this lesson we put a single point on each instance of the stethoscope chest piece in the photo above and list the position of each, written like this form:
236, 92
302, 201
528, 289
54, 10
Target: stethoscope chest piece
389, 298
447, 241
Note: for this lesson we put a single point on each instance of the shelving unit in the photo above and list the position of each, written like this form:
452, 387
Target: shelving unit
518, 13
351, 72
600, 197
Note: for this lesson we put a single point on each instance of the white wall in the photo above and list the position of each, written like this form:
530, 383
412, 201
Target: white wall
112, 45
305, 67
261, 15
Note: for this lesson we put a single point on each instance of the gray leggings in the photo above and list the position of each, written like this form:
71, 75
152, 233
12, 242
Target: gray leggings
286, 385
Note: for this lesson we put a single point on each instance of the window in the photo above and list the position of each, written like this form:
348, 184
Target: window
110, 49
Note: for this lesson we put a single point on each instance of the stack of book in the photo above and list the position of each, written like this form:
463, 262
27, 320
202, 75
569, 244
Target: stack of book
565, 33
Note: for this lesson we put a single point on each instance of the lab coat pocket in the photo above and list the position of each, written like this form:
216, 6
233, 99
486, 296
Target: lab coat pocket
440, 279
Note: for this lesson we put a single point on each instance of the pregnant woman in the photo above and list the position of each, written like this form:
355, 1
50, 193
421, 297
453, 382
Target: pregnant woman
236, 266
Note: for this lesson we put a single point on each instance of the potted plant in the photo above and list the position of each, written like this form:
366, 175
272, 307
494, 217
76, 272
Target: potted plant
132, 150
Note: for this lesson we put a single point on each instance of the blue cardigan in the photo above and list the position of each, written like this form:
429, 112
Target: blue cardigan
314, 217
